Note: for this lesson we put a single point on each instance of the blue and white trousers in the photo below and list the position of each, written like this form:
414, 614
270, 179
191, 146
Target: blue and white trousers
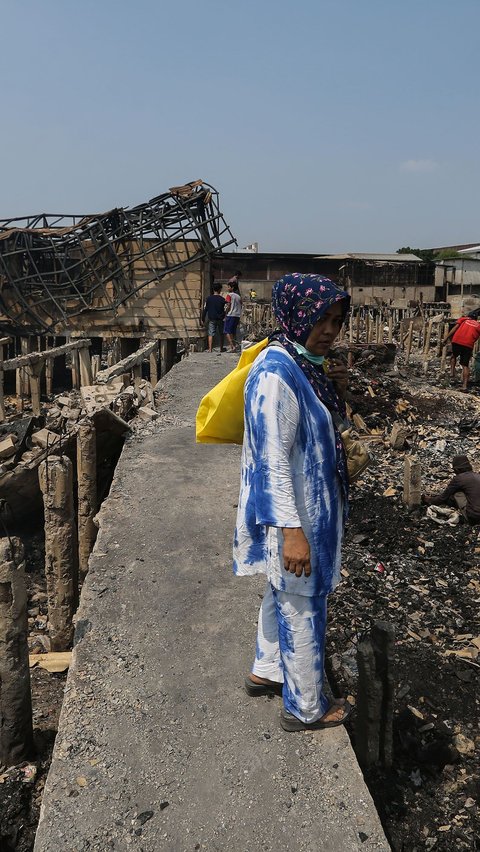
291, 649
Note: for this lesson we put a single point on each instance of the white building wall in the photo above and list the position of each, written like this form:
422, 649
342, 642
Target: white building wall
458, 272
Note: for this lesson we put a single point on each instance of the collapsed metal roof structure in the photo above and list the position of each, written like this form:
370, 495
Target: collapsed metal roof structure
54, 267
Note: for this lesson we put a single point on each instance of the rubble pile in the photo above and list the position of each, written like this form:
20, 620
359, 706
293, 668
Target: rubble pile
424, 578
26, 440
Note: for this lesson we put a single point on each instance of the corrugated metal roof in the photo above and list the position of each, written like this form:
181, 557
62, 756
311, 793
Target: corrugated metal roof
380, 258
450, 261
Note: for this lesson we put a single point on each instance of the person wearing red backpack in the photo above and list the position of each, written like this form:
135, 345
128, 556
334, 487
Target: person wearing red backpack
464, 335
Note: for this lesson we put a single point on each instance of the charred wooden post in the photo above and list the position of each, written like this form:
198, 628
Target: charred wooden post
75, 369
24, 349
16, 731
408, 345
444, 358
18, 390
61, 554
421, 335
427, 337
34, 372
163, 358
440, 335
2, 397
390, 328
375, 658
137, 376
96, 361
412, 484
87, 494
168, 349
426, 349
153, 359
20, 377
357, 327
85, 366
49, 376
367, 328
3, 342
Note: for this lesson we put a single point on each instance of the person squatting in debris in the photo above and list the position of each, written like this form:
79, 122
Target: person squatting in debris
234, 312
294, 496
463, 491
214, 310
464, 335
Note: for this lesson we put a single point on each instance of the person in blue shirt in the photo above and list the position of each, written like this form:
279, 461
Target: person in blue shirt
214, 309
293, 497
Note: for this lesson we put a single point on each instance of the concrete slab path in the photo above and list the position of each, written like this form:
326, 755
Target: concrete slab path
159, 748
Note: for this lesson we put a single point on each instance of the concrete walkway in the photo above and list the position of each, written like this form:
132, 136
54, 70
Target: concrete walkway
159, 748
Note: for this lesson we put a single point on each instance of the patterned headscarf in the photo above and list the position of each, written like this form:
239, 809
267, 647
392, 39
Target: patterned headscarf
298, 302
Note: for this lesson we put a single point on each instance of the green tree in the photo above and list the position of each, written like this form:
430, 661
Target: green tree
425, 254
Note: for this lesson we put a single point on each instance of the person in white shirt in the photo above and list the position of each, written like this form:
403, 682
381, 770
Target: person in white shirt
234, 312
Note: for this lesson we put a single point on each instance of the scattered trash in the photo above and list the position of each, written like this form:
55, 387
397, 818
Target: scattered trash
443, 515
463, 744
416, 778
55, 661
29, 773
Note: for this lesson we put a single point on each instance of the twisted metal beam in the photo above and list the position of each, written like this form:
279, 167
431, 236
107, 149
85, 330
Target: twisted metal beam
54, 267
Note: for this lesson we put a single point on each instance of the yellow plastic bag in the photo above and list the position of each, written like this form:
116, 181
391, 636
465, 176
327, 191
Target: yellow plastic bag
219, 417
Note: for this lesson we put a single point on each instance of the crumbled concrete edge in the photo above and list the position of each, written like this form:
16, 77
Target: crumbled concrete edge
355, 792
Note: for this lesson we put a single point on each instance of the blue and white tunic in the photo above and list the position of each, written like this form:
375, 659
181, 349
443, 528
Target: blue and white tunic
288, 479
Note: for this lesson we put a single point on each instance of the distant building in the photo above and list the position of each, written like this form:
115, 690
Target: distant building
459, 276
371, 279
467, 247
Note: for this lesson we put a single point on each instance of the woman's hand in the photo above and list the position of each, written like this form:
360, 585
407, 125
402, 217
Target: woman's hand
338, 373
296, 552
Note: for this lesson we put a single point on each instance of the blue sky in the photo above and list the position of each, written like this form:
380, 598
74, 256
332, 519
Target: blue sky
326, 125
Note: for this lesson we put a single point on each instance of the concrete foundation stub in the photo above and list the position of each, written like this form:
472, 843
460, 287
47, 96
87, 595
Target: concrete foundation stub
412, 485
61, 554
87, 493
16, 731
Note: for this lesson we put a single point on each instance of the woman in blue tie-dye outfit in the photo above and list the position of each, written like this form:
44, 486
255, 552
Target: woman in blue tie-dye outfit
293, 497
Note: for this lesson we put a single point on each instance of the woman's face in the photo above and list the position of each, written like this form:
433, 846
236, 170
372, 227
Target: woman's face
325, 331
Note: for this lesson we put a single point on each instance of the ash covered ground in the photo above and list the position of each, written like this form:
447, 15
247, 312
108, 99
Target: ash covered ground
400, 566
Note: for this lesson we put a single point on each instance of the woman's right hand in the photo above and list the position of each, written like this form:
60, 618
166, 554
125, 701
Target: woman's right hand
296, 552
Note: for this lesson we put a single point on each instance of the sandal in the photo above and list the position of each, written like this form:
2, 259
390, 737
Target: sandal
254, 689
289, 722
